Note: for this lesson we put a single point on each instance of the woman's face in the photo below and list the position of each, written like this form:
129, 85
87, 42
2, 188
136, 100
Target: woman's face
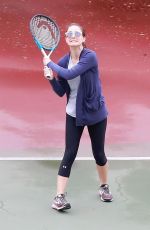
74, 36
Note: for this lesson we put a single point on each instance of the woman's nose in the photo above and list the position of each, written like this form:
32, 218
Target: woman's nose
73, 34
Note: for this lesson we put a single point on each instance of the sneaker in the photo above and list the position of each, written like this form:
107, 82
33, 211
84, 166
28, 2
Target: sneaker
60, 203
105, 193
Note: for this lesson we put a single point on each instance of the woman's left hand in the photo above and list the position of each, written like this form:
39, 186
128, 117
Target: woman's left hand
48, 73
46, 60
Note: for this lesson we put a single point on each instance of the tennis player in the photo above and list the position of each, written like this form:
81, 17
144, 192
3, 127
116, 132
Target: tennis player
78, 78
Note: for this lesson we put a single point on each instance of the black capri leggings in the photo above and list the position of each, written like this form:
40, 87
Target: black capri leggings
73, 136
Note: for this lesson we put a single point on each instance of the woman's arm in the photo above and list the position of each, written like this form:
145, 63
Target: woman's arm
86, 62
58, 86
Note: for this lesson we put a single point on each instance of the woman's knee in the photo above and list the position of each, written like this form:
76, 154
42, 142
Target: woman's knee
101, 160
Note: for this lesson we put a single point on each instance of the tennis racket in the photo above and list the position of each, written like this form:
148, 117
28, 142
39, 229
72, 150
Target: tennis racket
45, 33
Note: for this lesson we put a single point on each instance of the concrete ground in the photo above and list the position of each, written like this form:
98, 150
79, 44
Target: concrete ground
27, 189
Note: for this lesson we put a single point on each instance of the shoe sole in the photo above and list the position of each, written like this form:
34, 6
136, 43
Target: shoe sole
106, 200
61, 208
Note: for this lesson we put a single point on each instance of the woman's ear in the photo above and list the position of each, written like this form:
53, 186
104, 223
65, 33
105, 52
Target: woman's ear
84, 39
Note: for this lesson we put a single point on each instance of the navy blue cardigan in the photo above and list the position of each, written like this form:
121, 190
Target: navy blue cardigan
90, 103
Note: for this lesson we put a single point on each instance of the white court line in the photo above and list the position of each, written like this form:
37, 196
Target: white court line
78, 158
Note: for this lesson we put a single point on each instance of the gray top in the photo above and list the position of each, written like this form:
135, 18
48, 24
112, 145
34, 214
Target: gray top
74, 84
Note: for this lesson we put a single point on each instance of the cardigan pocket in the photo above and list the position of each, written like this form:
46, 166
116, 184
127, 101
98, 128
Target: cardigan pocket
92, 104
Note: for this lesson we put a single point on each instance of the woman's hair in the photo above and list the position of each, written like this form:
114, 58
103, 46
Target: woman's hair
82, 30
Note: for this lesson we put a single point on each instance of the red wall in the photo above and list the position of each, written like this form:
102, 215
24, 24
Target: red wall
31, 115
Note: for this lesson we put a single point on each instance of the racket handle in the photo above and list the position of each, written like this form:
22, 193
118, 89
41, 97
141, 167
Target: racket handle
43, 52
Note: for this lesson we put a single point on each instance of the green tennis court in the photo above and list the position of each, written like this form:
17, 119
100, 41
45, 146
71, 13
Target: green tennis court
28, 187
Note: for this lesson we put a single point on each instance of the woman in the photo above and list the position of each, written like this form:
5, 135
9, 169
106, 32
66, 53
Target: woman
78, 78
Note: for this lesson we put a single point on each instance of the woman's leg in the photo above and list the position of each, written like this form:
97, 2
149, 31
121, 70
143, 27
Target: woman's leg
97, 135
61, 184
73, 135
103, 173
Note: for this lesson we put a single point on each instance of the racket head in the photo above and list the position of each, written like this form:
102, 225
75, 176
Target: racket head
45, 32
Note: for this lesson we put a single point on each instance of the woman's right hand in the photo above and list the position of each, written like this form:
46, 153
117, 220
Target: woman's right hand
48, 73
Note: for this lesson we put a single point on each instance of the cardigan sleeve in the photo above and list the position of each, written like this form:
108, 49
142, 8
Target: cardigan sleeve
58, 86
86, 62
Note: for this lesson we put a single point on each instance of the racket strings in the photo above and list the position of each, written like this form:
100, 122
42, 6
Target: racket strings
45, 32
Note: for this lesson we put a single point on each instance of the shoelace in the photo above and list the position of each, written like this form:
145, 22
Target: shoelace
60, 198
106, 189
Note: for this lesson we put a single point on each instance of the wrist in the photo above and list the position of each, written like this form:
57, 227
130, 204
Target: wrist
49, 62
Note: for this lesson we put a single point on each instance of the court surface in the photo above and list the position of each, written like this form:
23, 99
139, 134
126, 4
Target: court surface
27, 189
